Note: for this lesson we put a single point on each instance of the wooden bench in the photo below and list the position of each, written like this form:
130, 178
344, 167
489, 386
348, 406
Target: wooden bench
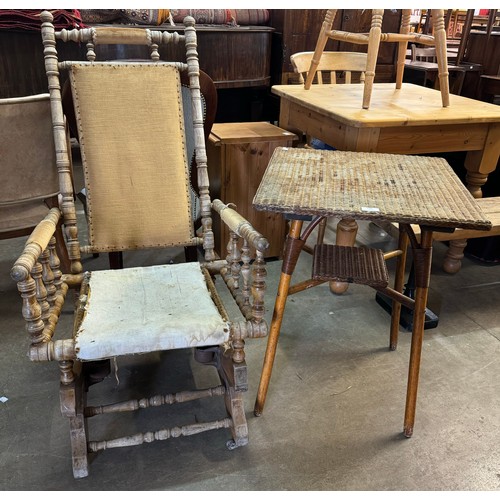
458, 239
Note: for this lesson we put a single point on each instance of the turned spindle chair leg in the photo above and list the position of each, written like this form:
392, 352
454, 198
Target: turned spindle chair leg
440, 44
402, 47
373, 47
320, 46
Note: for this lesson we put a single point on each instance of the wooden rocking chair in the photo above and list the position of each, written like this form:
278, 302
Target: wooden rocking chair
132, 135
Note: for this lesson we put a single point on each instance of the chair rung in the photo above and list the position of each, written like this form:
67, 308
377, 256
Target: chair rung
362, 265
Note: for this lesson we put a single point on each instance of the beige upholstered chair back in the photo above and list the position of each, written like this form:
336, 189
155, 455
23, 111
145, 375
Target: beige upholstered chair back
28, 173
136, 176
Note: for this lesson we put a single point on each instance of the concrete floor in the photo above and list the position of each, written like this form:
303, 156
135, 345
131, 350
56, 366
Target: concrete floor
334, 414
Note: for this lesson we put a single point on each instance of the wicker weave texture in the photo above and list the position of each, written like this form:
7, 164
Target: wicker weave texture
362, 265
371, 186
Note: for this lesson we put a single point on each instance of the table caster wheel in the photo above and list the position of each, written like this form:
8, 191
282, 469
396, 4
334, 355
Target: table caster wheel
231, 445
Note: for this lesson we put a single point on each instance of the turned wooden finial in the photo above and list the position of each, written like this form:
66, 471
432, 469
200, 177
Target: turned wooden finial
46, 16
189, 21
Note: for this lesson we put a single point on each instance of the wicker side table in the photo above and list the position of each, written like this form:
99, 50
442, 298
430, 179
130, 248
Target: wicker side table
367, 186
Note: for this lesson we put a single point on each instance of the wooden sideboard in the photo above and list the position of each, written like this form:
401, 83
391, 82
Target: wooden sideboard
234, 57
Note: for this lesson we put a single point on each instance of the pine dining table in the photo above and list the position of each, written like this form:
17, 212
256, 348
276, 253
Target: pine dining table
410, 120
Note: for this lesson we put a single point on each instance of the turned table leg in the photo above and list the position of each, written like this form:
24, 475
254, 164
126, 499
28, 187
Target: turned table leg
453, 257
478, 165
346, 237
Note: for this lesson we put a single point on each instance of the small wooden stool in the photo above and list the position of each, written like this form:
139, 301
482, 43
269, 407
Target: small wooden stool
238, 154
373, 39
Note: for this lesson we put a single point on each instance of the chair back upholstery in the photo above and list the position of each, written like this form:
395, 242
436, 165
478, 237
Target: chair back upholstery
208, 94
331, 62
27, 161
136, 175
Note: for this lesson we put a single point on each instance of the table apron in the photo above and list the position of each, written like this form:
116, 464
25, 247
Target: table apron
404, 139
432, 138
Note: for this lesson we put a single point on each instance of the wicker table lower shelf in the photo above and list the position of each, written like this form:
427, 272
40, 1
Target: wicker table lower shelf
361, 265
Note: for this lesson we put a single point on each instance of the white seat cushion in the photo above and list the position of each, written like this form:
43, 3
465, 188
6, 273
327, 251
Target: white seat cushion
146, 309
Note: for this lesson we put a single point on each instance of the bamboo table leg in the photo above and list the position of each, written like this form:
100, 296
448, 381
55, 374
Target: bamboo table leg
422, 261
398, 286
291, 255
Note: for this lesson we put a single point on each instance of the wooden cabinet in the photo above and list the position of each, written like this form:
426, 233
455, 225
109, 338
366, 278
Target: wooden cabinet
238, 154
234, 57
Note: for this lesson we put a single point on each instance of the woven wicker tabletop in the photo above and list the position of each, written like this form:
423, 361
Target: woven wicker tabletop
370, 186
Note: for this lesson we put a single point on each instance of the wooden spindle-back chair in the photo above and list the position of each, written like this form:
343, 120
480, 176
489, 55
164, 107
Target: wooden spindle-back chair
330, 64
131, 128
426, 54
373, 39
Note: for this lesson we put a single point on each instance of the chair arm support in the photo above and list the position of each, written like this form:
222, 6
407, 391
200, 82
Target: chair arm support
58, 350
40, 281
73, 280
240, 226
215, 266
249, 330
35, 245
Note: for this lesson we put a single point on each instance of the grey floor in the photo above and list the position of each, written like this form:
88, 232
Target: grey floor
334, 413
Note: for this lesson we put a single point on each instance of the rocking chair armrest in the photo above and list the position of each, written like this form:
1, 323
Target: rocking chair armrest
239, 225
37, 242
39, 281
